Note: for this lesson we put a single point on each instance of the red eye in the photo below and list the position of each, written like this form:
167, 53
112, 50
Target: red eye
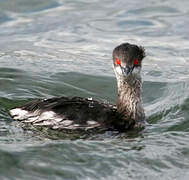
118, 62
136, 62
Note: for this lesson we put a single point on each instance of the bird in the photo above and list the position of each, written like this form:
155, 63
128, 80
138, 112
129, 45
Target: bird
71, 114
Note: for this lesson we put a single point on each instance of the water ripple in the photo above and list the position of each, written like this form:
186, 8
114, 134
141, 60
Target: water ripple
64, 47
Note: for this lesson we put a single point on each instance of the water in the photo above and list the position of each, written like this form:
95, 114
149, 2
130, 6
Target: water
53, 48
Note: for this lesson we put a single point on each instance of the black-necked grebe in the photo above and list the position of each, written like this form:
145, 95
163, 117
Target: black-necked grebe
76, 113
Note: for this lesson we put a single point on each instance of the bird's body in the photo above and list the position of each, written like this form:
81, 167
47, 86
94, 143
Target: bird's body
66, 113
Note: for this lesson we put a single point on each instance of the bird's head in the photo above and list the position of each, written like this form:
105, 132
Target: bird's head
127, 61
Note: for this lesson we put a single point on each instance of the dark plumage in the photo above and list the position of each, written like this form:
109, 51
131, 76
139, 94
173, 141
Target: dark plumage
64, 113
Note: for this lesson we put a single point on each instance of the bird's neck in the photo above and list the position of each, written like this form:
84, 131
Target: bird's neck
129, 103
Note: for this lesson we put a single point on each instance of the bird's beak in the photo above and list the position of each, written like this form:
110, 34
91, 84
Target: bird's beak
128, 70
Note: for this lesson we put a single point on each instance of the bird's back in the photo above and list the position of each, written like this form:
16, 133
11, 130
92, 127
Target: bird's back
65, 113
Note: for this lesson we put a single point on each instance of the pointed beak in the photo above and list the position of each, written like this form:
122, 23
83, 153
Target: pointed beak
128, 70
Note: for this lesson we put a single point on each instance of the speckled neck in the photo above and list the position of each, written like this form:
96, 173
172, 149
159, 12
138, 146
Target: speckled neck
129, 103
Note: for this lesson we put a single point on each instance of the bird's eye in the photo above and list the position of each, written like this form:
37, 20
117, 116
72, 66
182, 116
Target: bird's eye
136, 62
118, 62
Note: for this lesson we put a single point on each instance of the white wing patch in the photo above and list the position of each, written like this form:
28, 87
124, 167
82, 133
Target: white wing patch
18, 113
66, 123
92, 122
49, 118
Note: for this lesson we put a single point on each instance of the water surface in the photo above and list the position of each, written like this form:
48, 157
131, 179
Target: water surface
63, 47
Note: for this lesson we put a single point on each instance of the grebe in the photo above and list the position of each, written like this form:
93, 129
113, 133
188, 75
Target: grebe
76, 113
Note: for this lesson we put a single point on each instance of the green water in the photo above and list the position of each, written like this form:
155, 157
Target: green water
63, 48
